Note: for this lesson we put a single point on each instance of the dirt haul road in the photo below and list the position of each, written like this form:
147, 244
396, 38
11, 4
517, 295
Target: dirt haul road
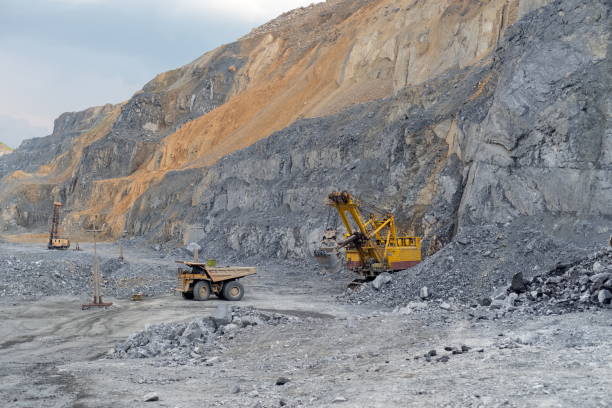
52, 354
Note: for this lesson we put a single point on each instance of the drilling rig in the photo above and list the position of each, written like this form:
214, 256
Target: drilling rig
372, 245
55, 241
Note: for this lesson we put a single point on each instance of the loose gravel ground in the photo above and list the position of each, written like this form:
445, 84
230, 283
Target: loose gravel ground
289, 342
32, 271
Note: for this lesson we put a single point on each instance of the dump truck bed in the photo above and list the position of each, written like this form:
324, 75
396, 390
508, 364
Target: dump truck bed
221, 273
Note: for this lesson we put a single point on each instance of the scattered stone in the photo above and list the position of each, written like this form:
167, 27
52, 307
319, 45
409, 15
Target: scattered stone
235, 389
465, 348
443, 359
500, 295
486, 301
282, 380
497, 304
600, 278
445, 306
518, 283
339, 399
604, 296
424, 292
222, 315
150, 397
431, 353
598, 267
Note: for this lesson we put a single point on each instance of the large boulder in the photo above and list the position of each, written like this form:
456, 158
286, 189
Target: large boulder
518, 283
381, 280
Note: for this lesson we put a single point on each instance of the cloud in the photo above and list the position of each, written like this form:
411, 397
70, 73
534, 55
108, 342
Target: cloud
252, 10
14, 130
40, 86
257, 11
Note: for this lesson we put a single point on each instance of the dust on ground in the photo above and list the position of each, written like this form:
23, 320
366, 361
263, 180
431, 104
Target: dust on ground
324, 353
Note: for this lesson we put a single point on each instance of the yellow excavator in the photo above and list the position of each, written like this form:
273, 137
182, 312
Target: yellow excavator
371, 244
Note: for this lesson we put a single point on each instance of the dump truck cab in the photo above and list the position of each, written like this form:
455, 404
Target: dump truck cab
203, 279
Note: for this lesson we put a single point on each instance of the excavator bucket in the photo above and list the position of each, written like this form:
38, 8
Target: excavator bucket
356, 284
327, 253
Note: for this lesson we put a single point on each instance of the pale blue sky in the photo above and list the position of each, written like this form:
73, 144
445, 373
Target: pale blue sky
66, 55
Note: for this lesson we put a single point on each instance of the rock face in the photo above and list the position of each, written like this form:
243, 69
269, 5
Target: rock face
450, 113
544, 144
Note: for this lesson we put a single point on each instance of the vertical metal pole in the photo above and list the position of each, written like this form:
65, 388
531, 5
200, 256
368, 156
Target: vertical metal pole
121, 246
96, 271
96, 276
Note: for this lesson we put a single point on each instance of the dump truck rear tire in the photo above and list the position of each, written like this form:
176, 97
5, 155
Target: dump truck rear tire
233, 290
201, 290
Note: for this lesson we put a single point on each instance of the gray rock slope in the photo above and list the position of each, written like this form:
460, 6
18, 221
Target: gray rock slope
527, 134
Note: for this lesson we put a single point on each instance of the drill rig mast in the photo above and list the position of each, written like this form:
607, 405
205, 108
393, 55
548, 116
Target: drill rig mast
55, 241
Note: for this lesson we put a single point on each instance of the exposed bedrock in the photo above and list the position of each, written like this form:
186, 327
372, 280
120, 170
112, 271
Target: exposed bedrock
528, 134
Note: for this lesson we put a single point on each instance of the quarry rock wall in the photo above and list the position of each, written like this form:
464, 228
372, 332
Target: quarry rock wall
448, 113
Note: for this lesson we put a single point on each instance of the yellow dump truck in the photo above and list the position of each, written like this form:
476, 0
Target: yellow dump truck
202, 279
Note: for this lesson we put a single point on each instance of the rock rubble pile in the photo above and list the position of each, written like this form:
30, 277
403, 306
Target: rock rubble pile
190, 342
31, 277
577, 286
478, 260
68, 273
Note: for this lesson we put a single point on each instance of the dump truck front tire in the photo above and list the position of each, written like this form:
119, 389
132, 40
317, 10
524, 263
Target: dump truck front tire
201, 290
233, 290
187, 295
